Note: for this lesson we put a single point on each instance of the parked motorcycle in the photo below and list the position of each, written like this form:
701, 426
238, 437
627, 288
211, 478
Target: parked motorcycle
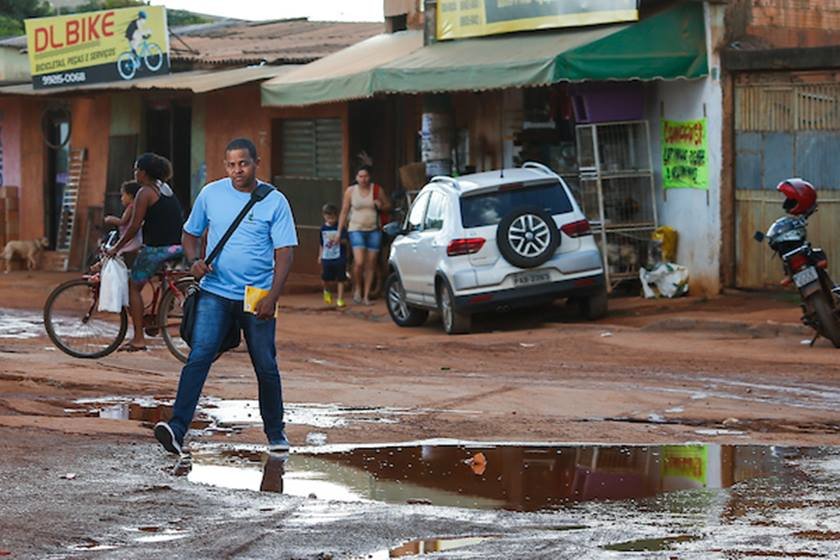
805, 266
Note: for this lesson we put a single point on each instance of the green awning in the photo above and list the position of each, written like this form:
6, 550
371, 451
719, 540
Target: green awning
346, 74
669, 45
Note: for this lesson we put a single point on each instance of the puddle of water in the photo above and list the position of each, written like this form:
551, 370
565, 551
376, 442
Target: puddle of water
164, 537
155, 534
650, 545
512, 477
233, 413
147, 411
226, 415
25, 325
91, 545
421, 547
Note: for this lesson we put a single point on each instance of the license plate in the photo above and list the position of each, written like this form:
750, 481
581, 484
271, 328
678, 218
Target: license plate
530, 278
805, 277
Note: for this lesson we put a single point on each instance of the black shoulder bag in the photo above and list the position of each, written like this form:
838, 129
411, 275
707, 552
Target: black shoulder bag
232, 337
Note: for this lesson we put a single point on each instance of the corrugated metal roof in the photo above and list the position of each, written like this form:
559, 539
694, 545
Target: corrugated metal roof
292, 41
197, 81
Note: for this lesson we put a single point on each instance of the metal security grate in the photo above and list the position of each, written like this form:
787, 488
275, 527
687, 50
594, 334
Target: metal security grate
787, 107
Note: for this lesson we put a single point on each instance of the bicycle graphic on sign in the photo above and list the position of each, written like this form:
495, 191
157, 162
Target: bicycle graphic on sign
142, 51
150, 55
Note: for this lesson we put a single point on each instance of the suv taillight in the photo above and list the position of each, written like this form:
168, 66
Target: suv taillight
576, 229
465, 246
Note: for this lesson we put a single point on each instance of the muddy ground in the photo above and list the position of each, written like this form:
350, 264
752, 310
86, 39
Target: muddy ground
727, 370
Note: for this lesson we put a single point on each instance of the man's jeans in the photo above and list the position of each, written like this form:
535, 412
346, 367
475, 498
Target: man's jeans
212, 321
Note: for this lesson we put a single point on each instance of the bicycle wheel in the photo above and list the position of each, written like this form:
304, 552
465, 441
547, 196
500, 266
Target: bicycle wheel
170, 313
125, 66
76, 327
153, 58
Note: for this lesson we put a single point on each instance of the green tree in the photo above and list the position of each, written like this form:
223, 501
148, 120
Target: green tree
173, 17
22, 9
15, 11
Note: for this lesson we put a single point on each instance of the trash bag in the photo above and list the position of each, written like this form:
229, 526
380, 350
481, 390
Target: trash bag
669, 280
113, 287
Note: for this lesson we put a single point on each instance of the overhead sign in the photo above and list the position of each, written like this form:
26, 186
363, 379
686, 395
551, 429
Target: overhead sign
457, 19
685, 154
94, 47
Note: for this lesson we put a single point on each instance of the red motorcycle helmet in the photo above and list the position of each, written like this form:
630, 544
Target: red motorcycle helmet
800, 196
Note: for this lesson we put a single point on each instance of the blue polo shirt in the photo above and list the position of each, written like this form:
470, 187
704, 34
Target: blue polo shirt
247, 258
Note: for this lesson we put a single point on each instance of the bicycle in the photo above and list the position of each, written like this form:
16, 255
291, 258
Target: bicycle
77, 328
150, 54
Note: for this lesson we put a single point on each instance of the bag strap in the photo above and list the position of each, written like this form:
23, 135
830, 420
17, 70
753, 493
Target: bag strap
262, 191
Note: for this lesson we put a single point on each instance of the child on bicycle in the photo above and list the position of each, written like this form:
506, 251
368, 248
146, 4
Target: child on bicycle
128, 191
332, 256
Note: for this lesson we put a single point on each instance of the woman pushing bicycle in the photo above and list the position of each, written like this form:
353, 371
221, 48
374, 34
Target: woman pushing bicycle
159, 214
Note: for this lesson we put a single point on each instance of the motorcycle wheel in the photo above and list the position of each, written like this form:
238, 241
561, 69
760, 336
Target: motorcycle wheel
827, 321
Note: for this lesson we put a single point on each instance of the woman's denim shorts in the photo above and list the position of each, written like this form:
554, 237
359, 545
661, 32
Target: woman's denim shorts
370, 240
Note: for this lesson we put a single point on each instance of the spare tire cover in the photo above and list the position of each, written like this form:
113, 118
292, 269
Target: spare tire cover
527, 237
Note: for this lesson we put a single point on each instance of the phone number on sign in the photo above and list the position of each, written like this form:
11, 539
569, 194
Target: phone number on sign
66, 78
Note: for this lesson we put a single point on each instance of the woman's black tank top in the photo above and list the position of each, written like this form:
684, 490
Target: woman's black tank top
163, 222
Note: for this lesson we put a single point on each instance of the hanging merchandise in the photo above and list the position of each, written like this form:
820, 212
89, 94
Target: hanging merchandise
436, 143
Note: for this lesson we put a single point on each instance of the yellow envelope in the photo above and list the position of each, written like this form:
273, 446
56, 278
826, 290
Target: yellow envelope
253, 295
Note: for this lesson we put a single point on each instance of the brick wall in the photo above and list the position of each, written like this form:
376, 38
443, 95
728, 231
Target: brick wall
785, 23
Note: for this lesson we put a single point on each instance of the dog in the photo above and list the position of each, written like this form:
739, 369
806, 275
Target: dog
28, 250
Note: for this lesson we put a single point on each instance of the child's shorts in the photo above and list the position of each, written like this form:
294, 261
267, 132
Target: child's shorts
334, 270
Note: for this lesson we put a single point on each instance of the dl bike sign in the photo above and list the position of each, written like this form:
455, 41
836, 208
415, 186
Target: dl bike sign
94, 47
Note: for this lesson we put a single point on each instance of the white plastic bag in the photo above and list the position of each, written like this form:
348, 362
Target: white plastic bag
113, 287
670, 280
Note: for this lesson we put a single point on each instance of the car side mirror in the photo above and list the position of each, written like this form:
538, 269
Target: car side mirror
393, 229
758, 236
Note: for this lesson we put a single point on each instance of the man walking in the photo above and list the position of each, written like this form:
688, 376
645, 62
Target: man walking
258, 254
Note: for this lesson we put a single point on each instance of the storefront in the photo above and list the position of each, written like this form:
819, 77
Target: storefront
589, 102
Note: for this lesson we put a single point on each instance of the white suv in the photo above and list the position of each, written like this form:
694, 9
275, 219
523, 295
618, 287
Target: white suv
492, 241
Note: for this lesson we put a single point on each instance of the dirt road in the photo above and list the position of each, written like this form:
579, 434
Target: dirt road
727, 370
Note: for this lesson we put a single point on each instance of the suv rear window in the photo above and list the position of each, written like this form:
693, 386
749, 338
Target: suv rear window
488, 209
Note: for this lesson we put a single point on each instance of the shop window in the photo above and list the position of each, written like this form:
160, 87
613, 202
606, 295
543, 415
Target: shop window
311, 148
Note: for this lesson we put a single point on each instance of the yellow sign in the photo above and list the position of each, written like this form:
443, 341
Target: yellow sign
103, 46
457, 19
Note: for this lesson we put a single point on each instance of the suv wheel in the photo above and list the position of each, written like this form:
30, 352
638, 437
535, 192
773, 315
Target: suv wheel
527, 237
453, 321
401, 313
591, 307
